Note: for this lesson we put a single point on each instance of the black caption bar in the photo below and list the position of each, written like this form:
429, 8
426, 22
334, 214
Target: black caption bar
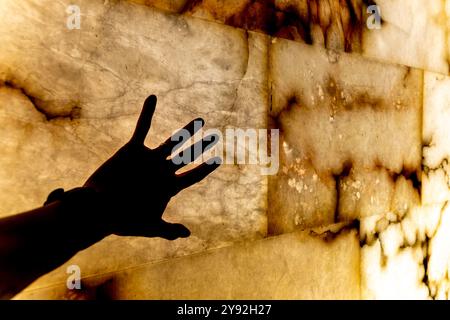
218, 309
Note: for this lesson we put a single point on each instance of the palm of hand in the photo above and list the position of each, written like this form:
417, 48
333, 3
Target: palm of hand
138, 182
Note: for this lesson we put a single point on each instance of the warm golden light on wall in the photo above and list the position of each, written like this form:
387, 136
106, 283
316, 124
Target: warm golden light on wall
360, 205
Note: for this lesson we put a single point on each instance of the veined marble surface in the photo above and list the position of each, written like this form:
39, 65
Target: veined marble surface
436, 139
413, 32
300, 265
406, 256
331, 23
70, 98
350, 135
353, 134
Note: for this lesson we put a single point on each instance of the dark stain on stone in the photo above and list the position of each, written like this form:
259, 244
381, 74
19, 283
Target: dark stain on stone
74, 111
426, 141
102, 292
411, 175
291, 26
264, 16
423, 244
425, 262
275, 119
247, 53
292, 101
365, 241
276, 123
355, 31
427, 251
329, 235
190, 5
335, 95
443, 165
363, 99
338, 177
285, 20
406, 76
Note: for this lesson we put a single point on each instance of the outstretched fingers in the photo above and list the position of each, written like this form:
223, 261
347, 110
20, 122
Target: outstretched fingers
181, 136
145, 120
162, 229
197, 174
193, 152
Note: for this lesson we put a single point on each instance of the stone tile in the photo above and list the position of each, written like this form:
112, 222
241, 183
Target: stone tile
413, 33
70, 98
301, 265
436, 139
406, 256
332, 23
350, 136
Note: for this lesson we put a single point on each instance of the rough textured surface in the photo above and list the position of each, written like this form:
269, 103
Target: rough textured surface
338, 115
69, 99
301, 265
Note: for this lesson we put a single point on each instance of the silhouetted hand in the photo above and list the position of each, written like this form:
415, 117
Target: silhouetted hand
138, 182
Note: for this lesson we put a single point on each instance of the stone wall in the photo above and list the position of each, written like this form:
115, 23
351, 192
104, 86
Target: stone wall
359, 205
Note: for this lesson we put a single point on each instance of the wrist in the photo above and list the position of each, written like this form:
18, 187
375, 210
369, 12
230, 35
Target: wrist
85, 216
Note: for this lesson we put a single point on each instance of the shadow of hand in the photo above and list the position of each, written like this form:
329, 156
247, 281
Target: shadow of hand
137, 182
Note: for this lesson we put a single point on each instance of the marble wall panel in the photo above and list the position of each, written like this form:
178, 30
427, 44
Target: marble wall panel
353, 134
70, 98
301, 265
332, 23
350, 135
406, 256
436, 139
412, 33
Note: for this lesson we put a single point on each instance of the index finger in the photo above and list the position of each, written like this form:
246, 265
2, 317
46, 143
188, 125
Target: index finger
144, 121
168, 146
